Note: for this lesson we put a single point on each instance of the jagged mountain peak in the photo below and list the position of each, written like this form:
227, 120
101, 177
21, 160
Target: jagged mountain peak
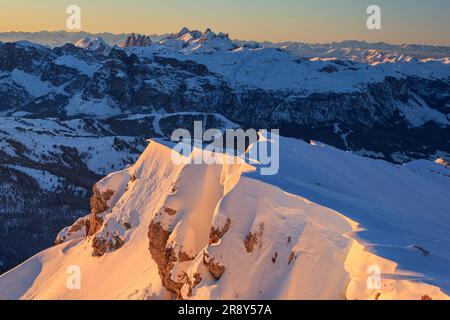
374, 57
189, 41
96, 44
183, 31
136, 40
208, 41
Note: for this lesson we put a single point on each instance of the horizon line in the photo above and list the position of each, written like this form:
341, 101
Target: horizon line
233, 39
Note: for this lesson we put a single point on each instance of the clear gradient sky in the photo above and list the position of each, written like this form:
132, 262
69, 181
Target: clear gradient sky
403, 21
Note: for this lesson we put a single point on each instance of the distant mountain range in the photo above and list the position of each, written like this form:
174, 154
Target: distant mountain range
344, 49
59, 38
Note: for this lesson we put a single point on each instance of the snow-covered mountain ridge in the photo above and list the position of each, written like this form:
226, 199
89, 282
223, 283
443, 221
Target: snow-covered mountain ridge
48, 167
238, 235
277, 69
344, 49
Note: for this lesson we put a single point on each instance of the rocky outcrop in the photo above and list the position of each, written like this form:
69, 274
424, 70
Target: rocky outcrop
185, 227
217, 233
254, 240
78, 229
215, 268
89, 226
101, 245
134, 40
99, 204
164, 258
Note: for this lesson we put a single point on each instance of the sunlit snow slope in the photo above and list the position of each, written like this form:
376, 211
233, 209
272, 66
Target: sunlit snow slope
158, 230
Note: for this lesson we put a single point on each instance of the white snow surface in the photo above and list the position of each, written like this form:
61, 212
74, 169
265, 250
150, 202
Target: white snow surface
318, 225
45, 136
100, 108
34, 85
272, 69
75, 63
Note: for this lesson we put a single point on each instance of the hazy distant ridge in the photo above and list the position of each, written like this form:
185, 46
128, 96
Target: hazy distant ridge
59, 38
300, 49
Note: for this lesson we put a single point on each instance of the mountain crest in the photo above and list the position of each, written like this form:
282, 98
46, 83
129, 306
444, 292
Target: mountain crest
96, 44
138, 40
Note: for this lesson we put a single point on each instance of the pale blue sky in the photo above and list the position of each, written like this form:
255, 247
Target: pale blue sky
403, 21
